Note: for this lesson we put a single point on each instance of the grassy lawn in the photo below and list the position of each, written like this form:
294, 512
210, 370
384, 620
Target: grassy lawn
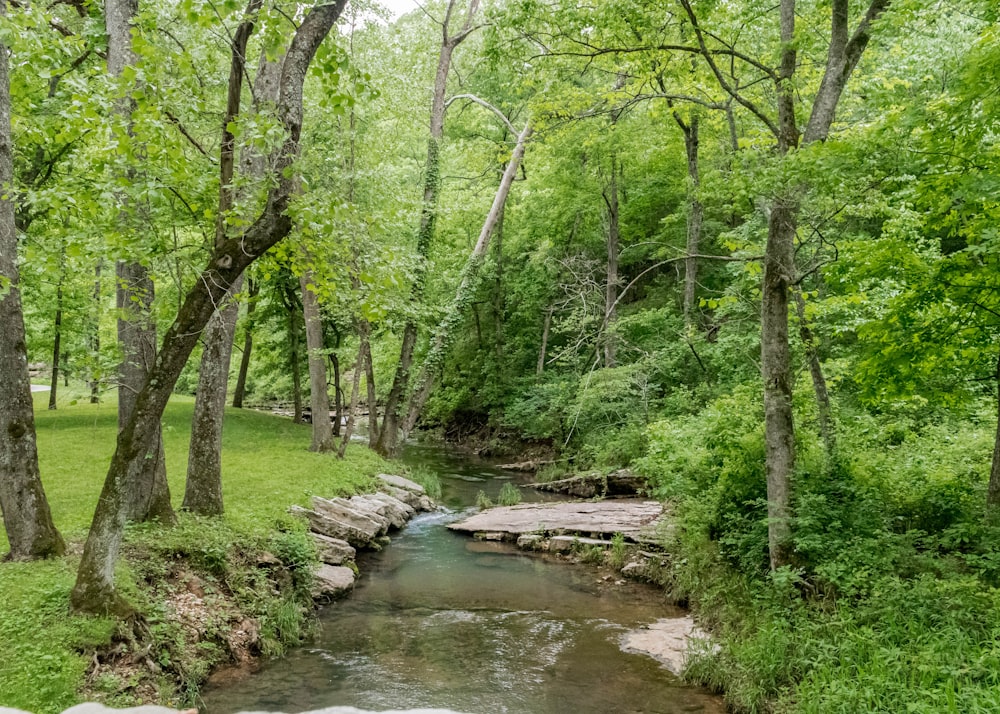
266, 468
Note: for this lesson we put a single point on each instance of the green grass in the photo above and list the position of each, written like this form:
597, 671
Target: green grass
266, 468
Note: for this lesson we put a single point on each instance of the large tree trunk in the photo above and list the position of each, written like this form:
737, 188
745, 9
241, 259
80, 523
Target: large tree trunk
94, 590
27, 519
56, 340
239, 393
203, 485
776, 370
466, 290
388, 440
338, 395
319, 396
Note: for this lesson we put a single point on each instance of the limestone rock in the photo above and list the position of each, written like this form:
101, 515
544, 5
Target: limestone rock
625, 516
341, 510
403, 483
529, 542
563, 544
667, 640
398, 512
332, 582
334, 528
333, 551
617, 483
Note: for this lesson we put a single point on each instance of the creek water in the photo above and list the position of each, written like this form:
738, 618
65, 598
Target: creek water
440, 620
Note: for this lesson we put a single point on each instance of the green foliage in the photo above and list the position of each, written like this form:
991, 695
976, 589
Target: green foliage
483, 501
510, 495
429, 479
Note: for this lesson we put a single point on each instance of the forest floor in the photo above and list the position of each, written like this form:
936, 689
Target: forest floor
207, 592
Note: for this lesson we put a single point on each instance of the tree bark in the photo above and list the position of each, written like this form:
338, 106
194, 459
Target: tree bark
811, 344
241, 380
696, 213
388, 440
56, 339
338, 395
319, 396
27, 519
466, 289
95, 338
540, 367
94, 590
993, 490
149, 497
203, 485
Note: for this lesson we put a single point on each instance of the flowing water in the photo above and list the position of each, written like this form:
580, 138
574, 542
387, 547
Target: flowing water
439, 620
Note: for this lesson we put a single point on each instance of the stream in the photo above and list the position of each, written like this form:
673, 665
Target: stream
440, 620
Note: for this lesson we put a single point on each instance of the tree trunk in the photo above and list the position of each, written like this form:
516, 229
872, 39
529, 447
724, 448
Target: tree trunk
27, 519
809, 341
776, 371
338, 395
319, 397
540, 367
993, 491
353, 408
203, 484
149, 497
95, 338
253, 287
696, 212
294, 357
364, 336
56, 339
466, 289
611, 287
388, 440
94, 590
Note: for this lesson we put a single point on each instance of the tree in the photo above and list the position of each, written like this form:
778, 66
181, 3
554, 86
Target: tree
94, 590
843, 53
26, 515
150, 497
388, 443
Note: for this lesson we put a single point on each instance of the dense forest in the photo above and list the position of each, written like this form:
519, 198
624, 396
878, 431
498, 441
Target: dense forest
747, 251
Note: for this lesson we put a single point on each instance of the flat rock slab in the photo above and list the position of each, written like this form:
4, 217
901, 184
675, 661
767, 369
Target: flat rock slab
668, 641
630, 517
332, 582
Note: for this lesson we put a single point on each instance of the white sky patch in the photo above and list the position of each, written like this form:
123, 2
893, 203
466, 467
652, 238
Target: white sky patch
397, 8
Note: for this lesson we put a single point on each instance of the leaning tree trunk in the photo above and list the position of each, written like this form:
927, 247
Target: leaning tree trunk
471, 276
388, 439
319, 396
27, 519
95, 590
